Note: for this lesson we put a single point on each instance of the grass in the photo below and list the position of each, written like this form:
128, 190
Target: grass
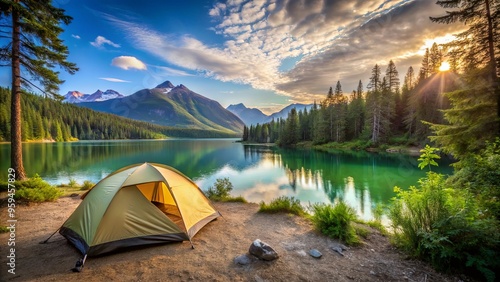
35, 189
87, 185
336, 222
4, 229
283, 204
220, 192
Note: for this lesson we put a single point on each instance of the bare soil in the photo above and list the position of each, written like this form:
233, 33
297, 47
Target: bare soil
212, 259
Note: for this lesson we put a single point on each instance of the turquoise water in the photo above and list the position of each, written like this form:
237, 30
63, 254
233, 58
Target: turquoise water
258, 173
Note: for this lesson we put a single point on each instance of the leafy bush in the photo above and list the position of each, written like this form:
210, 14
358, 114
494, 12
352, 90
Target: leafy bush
35, 189
444, 226
283, 204
221, 191
480, 174
87, 185
335, 221
72, 183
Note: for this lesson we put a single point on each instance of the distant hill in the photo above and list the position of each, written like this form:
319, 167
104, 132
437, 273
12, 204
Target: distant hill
74, 97
253, 116
248, 115
48, 119
170, 105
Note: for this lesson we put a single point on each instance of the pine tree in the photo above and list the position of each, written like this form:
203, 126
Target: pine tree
36, 49
435, 59
409, 84
374, 105
425, 68
339, 114
480, 43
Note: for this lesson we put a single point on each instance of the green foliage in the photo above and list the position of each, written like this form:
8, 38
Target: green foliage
72, 183
428, 157
87, 185
335, 221
4, 229
221, 191
480, 174
361, 231
445, 226
68, 122
35, 189
283, 204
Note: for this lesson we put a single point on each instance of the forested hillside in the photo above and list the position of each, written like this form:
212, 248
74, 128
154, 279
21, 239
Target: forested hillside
47, 119
384, 113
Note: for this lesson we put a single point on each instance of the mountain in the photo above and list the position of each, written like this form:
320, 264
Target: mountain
171, 105
248, 115
74, 97
286, 110
253, 116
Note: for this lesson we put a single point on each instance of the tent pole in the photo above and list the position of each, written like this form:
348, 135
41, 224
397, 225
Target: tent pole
45, 242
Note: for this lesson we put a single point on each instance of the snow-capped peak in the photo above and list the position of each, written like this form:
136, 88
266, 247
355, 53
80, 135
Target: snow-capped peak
98, 96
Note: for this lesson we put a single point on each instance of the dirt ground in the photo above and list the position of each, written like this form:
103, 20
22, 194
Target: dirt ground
216, 246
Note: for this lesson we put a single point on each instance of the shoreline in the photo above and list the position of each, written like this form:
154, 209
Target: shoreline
216, 246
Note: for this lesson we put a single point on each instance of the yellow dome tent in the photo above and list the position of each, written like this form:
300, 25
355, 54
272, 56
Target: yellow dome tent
139, 204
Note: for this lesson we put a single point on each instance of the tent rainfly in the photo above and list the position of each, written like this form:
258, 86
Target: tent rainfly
137, 205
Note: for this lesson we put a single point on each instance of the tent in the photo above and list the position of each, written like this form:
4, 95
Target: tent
137, 205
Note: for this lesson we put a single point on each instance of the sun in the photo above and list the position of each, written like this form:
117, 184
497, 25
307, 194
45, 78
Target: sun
445, 66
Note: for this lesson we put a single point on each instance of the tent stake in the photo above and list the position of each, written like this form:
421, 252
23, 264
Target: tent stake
45, 242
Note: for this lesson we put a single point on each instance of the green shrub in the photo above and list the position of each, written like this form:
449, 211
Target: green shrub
361, 231
35, 189
445, 227
335, 221
480, 174
87, 185
221, 191
4, 229
283, 204
72, 183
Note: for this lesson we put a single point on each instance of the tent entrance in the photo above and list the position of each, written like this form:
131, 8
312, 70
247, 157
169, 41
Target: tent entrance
159, 195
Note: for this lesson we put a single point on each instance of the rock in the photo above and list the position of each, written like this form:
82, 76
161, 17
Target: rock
262, 250
315, 253
242, 260
73, 195
339, 248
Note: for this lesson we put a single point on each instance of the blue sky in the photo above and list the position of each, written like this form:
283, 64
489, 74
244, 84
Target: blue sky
265, 54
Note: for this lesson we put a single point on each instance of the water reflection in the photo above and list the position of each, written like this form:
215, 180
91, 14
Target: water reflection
258, 173
361, 179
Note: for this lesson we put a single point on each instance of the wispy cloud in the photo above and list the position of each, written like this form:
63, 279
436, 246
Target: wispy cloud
111, 79
166, 71
128, 62
330, 40
75, 36
101, 40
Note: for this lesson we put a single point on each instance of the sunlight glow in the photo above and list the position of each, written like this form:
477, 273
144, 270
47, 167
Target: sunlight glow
445, 66
439, 40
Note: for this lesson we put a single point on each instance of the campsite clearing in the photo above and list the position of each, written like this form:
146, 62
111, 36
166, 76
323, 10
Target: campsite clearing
216, 245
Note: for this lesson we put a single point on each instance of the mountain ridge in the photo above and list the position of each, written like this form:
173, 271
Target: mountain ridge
171, 106
75, 97
252, 116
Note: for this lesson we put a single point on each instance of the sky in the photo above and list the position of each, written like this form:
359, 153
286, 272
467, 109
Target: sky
266, 54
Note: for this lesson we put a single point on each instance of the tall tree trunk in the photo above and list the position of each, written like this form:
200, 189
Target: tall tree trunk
16, 157
492, 64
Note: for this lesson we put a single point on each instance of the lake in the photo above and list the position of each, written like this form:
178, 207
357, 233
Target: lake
258, 172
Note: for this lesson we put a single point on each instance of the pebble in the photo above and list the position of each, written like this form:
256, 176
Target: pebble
315, 253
